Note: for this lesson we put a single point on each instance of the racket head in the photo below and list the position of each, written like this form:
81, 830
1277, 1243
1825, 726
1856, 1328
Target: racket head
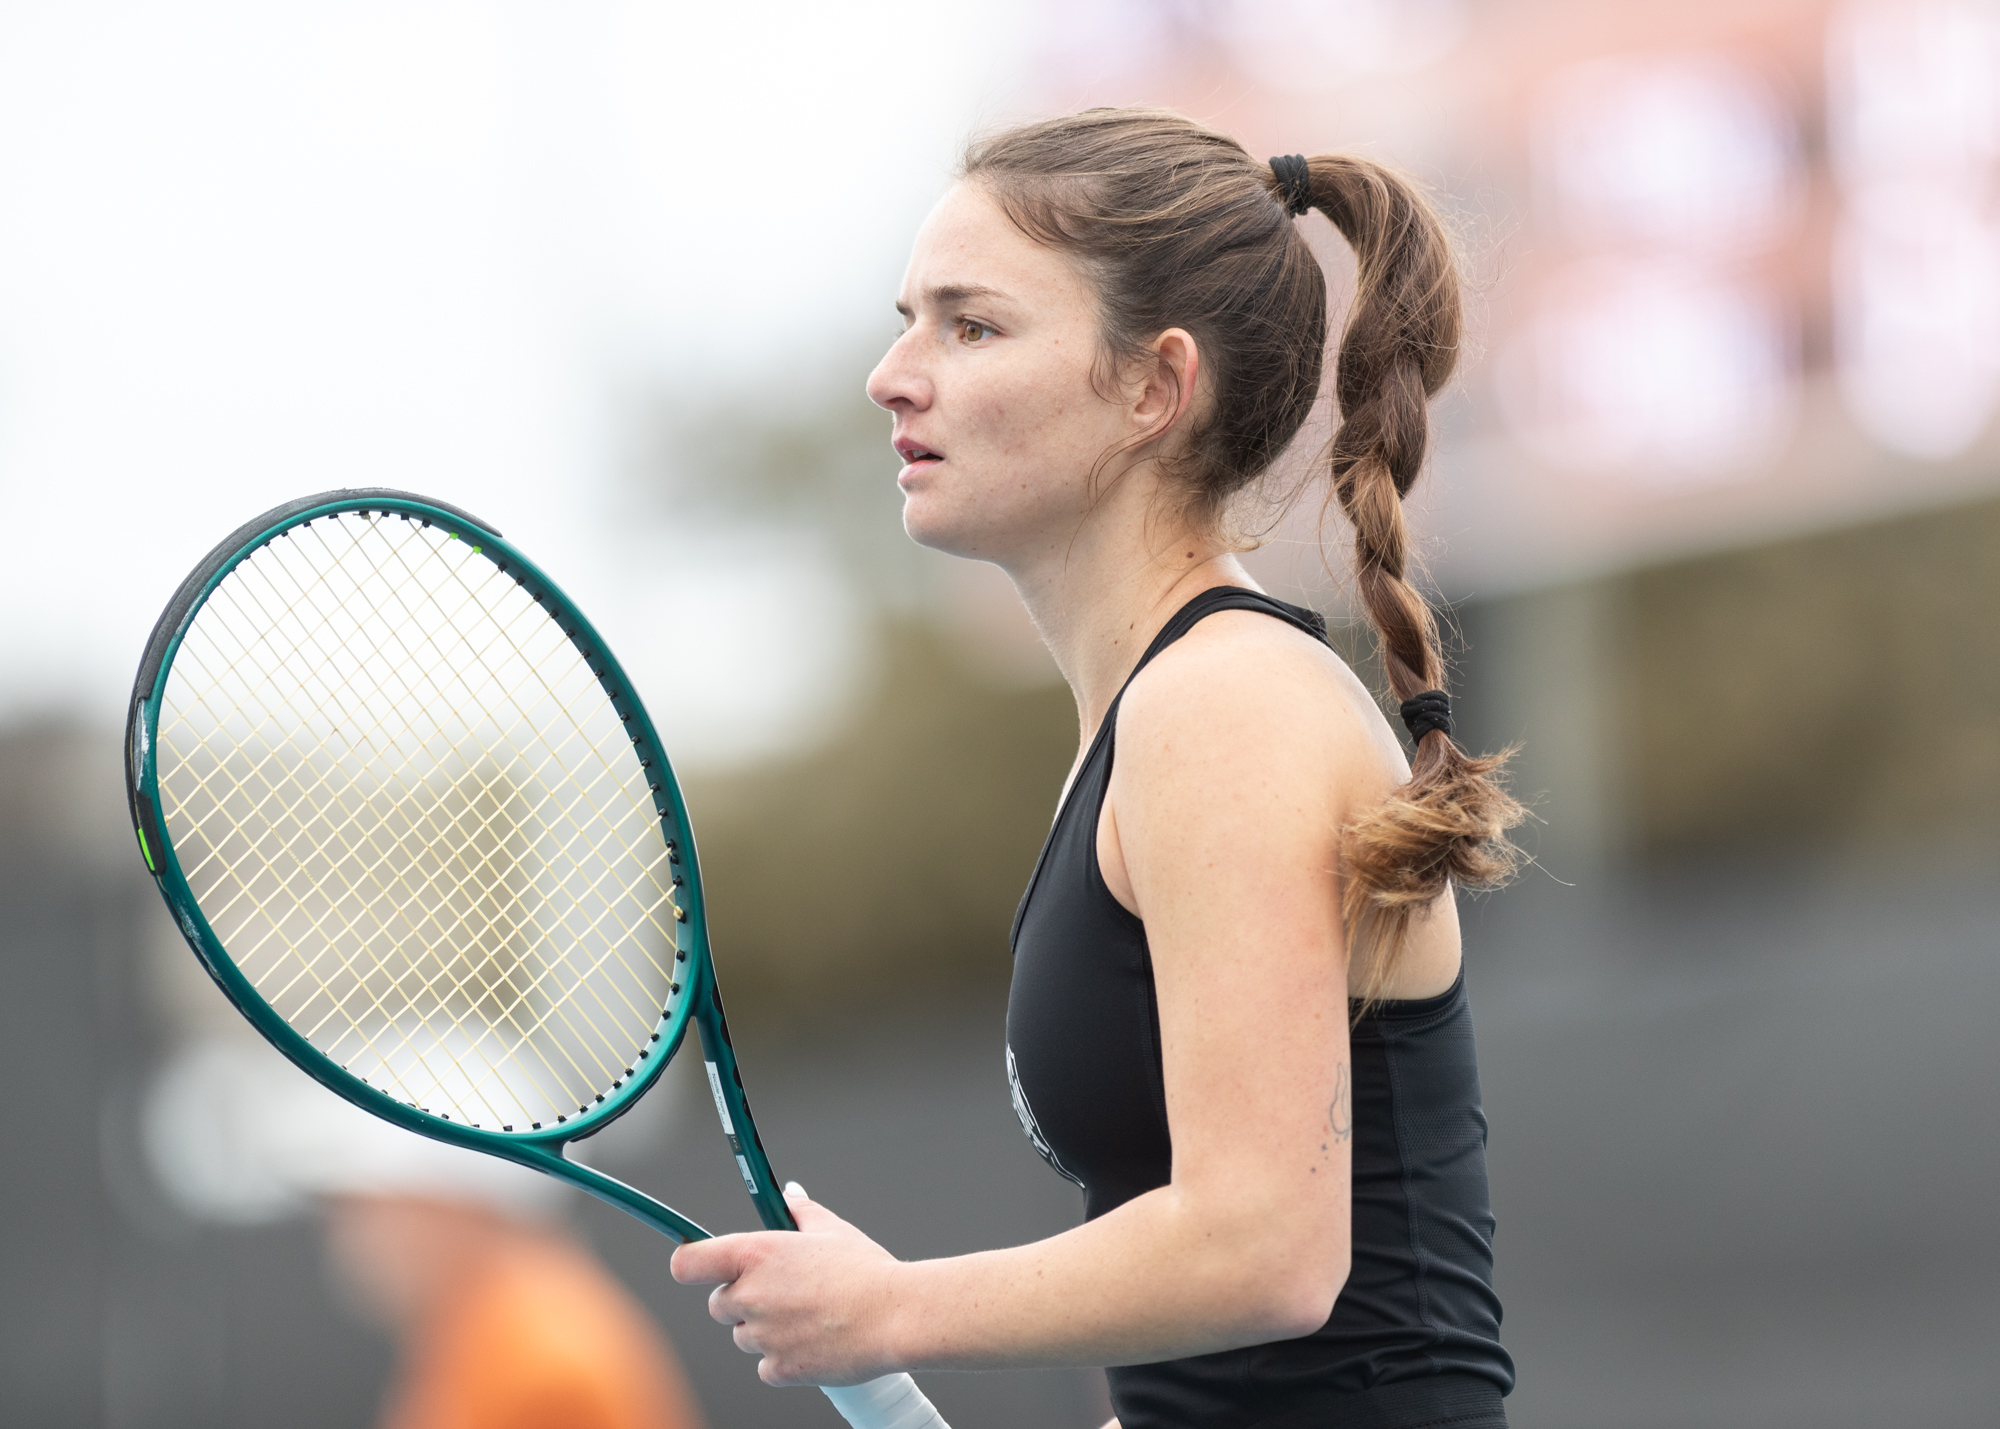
384, 890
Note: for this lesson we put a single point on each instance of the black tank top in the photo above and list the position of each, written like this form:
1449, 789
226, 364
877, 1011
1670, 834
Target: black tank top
1414, 1336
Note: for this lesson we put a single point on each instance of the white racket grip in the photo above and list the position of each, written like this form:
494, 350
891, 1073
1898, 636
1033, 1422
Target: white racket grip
891, 1402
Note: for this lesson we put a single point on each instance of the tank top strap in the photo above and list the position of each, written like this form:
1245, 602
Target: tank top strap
1224, 597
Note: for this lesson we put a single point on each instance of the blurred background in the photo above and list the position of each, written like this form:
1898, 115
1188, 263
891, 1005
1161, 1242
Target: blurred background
1715, 506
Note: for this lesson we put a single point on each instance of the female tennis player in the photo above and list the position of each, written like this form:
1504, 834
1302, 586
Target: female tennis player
1238, 1019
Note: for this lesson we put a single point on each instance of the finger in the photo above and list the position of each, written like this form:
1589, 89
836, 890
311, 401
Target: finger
810, 1214
805, 1208
723, 1307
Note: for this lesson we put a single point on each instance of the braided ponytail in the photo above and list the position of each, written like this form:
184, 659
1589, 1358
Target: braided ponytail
1179, 226
1448, 824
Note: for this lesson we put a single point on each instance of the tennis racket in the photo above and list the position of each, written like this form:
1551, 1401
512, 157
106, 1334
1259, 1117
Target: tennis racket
411, 815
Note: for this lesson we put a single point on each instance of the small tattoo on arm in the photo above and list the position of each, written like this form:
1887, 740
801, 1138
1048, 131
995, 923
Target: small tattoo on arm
1339, 1112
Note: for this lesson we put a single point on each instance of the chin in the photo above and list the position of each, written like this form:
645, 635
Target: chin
928, 522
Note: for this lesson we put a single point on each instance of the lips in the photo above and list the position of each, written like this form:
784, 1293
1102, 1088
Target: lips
913, 452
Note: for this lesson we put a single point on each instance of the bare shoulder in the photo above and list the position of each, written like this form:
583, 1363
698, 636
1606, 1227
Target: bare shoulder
1244, 689
1244, 750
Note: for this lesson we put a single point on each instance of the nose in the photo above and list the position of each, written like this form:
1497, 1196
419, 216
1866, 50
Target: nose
898, 383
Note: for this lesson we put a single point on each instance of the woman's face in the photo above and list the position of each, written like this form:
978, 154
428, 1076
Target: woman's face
998, 424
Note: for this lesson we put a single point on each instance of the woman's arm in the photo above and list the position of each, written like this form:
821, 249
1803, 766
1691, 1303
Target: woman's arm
1223, 825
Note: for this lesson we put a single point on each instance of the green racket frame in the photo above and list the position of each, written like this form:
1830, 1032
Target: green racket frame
701, 1001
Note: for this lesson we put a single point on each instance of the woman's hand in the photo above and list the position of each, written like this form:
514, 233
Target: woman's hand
814, 1304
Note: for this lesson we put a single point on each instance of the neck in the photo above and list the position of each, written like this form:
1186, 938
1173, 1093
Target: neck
1099, 596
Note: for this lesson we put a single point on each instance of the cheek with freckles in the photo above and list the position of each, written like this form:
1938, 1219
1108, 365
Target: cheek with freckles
1018, 464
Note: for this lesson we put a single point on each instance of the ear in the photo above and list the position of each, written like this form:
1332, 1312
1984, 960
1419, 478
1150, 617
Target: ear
1170, 375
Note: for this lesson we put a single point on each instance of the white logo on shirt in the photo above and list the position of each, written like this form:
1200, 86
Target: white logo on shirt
1026, 1114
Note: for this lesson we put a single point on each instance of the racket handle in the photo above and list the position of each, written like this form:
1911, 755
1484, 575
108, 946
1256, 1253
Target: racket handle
891, 1402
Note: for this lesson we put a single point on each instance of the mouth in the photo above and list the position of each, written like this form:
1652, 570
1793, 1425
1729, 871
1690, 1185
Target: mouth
916, 454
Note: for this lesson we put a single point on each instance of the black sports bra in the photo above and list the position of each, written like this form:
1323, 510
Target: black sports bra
1414, 1336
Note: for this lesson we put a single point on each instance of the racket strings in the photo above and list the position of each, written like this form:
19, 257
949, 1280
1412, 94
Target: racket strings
412, 815
486, 862
486, 859
459, 984
430, 982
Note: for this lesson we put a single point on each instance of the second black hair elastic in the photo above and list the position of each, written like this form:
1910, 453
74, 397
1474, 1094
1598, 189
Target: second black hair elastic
1426, 712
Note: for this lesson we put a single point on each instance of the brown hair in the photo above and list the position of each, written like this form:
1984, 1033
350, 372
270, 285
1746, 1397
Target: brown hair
1177, 226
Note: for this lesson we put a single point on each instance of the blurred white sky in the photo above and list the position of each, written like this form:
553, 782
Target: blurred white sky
249, 251
252, 251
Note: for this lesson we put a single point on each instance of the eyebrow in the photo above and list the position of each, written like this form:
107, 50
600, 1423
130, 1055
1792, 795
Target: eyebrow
949, 294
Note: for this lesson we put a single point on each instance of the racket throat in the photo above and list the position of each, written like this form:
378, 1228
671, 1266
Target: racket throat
732, 1108
729, 1128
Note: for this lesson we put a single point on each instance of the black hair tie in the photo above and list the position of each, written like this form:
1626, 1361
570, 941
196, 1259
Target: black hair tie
1426, 712
1294, 182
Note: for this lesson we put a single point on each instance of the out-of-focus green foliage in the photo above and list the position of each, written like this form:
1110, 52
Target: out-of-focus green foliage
892, 858
822, 462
